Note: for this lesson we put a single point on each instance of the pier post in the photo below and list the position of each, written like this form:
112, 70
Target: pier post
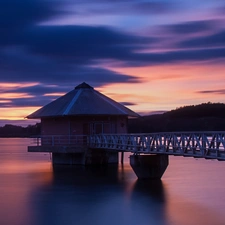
100, 157
149, 166
68, 158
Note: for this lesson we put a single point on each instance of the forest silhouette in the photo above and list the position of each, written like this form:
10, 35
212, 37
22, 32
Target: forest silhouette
204, 117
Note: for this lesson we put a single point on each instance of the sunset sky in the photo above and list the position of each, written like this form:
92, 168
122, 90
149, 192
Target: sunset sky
153, 56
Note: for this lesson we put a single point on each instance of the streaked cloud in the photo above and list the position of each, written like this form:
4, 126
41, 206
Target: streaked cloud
220, 92
191, 27
54, 94
134, 7
127, 103
206, 41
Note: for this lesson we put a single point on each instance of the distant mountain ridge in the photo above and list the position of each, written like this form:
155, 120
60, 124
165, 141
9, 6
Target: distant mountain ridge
204, 117
9, 130
196, 111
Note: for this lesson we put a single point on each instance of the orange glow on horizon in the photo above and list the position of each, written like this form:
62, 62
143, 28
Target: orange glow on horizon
168, 87
16, 113
55, 94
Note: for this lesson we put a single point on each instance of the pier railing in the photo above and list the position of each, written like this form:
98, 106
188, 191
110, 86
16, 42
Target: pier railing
195, 144
60, 140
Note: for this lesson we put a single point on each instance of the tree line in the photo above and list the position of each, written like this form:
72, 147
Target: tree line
204, 117
9, 130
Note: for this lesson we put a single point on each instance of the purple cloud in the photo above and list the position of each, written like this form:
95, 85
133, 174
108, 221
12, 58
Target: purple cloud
206, 41
191, 27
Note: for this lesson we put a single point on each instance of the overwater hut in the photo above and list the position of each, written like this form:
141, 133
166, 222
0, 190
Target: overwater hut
67, 122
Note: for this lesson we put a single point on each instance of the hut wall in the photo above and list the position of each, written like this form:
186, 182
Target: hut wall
55, 131
121, 125
75, 126
97, 124
55, 126
84, 125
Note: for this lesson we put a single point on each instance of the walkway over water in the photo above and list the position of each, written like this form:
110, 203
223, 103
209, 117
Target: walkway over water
209, 145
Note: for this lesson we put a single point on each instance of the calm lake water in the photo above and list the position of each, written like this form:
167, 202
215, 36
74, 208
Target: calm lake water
32, 192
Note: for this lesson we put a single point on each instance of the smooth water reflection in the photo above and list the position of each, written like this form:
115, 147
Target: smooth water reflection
97, 197
34, 192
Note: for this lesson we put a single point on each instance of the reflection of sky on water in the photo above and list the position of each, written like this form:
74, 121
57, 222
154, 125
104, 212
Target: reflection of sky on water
32, 192
99, 197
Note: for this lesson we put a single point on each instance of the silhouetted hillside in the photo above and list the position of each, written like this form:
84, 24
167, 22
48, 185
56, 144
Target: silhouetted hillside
198, 111
17, 131
204, 117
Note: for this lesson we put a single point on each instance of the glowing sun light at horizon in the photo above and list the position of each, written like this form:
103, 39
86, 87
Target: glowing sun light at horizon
16, 113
